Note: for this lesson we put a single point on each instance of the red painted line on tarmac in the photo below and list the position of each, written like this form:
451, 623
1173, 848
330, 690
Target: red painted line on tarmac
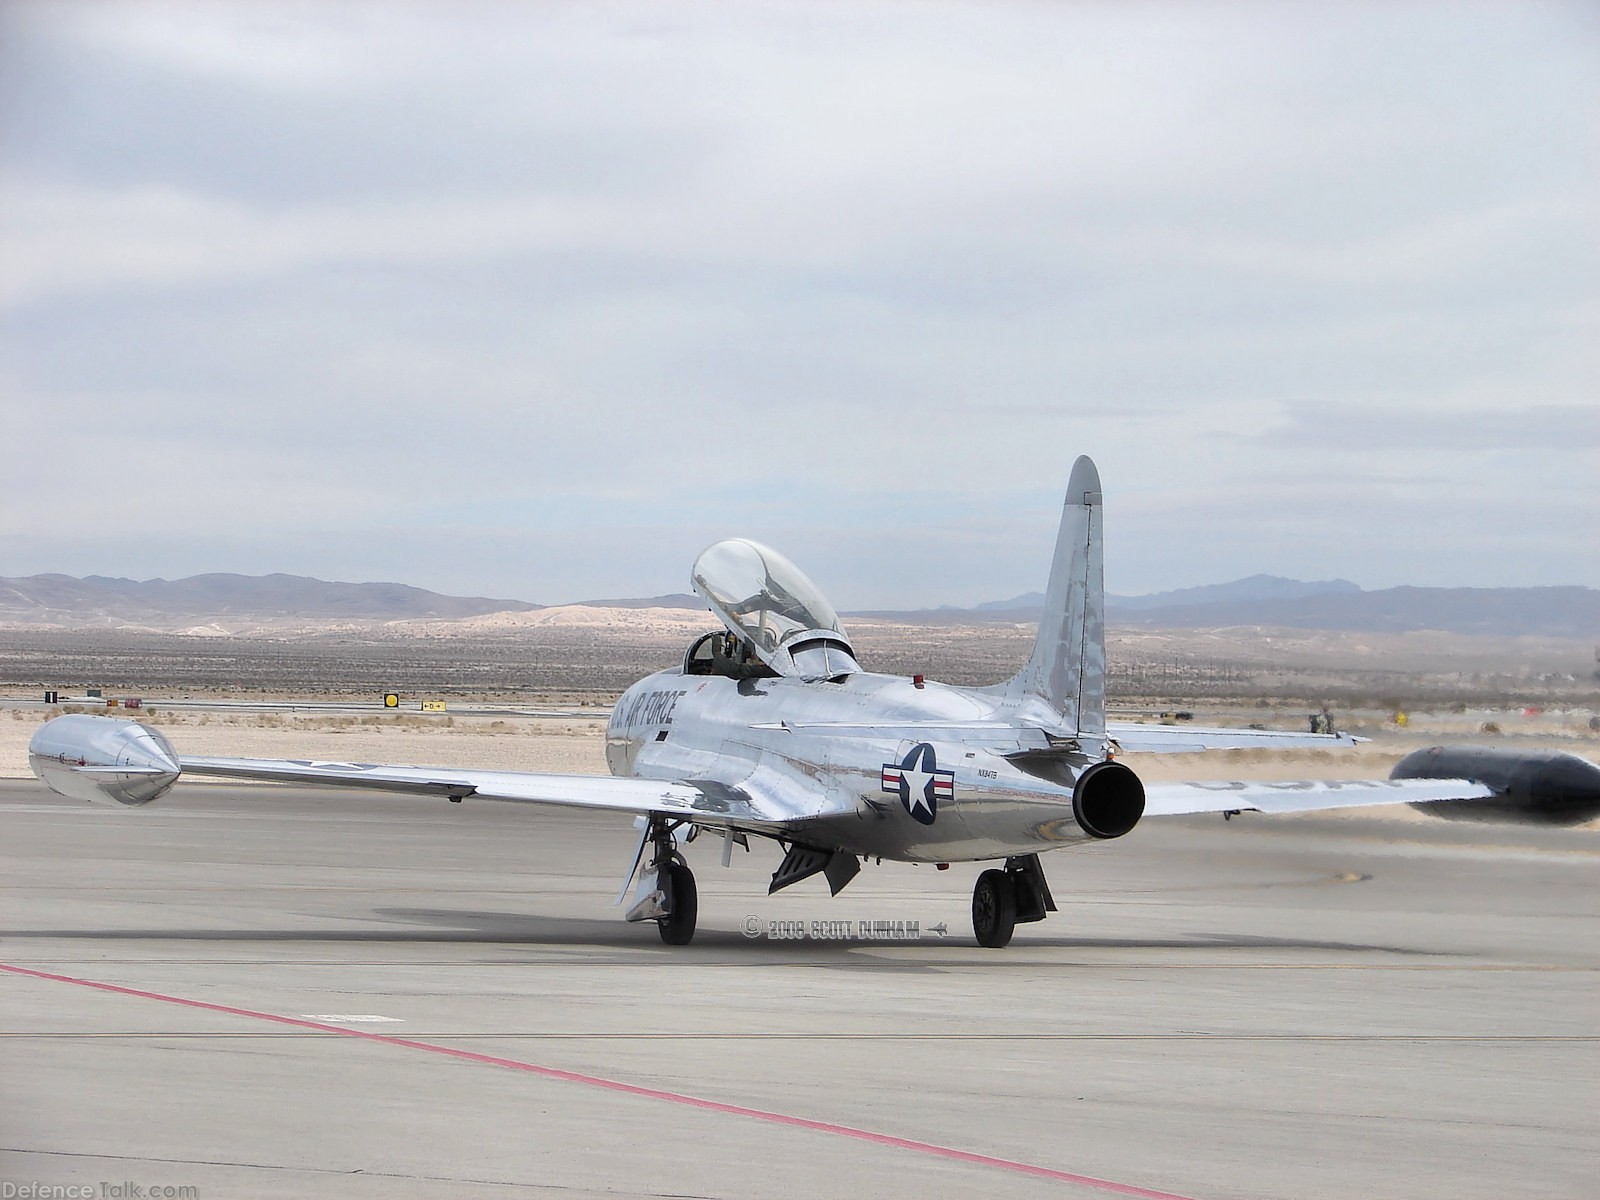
628, 1089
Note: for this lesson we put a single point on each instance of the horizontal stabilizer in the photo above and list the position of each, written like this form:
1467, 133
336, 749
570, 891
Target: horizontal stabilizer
1134, 737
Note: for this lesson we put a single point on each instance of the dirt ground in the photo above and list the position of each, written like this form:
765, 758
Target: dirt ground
593, 654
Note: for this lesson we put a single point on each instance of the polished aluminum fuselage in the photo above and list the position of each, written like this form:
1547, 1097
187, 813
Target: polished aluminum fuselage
816, 753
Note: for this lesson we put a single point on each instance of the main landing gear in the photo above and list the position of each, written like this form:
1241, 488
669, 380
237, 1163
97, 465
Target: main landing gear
677, 927
1002, 899
666, 892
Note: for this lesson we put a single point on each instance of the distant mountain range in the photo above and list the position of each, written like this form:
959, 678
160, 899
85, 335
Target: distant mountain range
1261, 600
1334, 604
208, 597
1572, 612
670, 600
1252, 590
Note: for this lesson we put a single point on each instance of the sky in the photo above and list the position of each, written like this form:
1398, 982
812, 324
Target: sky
538, 300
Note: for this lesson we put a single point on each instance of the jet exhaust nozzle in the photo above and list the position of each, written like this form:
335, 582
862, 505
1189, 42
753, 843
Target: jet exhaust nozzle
103, 760
1108, 800
1533, 787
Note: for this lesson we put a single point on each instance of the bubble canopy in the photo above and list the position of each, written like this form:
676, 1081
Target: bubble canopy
768, 601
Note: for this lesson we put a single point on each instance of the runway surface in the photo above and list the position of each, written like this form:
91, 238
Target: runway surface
254, 991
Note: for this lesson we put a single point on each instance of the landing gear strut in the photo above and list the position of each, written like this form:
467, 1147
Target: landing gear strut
666, 892
1003, 898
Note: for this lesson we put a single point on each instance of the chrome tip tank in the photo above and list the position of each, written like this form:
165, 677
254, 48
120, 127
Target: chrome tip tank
103, 760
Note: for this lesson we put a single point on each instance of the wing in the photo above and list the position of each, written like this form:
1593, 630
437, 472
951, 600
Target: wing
108, 761
1134, 736
703, 802
1180, 799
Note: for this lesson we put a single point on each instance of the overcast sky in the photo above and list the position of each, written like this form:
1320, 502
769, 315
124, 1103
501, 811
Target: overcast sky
539, 300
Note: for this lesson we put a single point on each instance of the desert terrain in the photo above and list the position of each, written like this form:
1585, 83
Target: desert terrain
1535, 692
582, 652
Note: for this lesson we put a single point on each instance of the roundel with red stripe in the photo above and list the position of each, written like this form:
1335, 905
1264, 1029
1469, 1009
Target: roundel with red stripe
919, 783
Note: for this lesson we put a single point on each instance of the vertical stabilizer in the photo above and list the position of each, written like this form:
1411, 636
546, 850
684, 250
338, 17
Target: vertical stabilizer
1067, 670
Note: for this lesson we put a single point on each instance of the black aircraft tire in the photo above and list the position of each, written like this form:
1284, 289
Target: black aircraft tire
677, 929
994, 909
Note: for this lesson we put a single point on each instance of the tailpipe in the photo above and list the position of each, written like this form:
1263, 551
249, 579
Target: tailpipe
1107, 800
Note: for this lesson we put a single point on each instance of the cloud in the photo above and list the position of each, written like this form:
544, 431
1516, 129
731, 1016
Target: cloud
530, 275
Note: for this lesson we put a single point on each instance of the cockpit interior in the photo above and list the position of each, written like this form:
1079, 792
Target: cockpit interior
723, 653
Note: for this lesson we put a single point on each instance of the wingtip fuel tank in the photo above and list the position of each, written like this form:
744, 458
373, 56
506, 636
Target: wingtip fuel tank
1532, 787
103, 760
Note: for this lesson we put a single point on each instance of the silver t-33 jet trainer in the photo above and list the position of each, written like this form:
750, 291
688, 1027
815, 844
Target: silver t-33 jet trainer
771, 729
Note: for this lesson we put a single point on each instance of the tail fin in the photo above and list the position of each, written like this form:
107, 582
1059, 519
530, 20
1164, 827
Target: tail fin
1067, 670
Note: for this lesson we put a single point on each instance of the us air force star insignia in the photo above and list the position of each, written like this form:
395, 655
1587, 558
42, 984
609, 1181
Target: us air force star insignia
919, 783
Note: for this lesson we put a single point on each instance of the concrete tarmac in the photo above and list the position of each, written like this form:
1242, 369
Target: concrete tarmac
1268, 1007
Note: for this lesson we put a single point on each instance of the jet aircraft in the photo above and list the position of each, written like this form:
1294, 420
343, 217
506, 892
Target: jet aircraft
770, 728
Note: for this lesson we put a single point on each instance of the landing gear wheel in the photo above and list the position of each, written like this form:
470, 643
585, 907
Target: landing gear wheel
994, 909
677, 927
